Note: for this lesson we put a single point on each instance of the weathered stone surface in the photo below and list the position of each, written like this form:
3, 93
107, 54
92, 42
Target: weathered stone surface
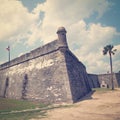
107, 79
49, 74
95, 81
78, 77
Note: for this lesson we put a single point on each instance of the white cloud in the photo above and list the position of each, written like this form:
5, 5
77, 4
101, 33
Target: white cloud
1, 62
67, 12
116, 59
16, 23
90, 35
86, 40
14, 19
90, 40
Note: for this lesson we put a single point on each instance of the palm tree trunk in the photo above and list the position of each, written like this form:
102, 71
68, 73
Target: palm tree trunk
111, 71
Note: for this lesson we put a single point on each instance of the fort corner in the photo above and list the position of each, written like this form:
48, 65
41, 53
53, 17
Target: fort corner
50, 74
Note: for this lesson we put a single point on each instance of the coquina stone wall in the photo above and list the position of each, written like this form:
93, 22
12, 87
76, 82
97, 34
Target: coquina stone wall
107, 79
50, 73
96, 81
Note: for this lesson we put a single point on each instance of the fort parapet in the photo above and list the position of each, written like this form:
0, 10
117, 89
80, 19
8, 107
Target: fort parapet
41, 51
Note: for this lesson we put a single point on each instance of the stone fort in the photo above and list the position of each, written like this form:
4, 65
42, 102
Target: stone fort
51, 74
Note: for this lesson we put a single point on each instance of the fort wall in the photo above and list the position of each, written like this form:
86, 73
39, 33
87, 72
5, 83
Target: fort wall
107, 79
95, 80
41, 51
50, 73
43, 76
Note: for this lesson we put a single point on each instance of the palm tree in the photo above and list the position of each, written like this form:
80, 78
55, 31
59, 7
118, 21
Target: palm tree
109, 49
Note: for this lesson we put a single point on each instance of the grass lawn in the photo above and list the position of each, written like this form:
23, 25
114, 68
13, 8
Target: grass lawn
24, 110
14, 109
102, 89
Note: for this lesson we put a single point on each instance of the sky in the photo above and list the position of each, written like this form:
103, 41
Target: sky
90, 24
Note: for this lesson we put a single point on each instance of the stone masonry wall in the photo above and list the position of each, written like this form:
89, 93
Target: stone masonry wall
50, 73
96, 80
78, 77
107, 79
40, 79
93, 81
41, 51
55, 77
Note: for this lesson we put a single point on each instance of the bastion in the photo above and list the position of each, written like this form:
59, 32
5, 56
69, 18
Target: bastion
51, 74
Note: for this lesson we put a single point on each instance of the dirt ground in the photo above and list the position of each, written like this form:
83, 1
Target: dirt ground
95, 106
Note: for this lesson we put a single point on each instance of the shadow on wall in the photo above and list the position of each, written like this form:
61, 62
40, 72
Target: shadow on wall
6, 87
24, 87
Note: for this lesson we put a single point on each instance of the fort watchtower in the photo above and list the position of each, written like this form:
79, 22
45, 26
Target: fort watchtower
62, 37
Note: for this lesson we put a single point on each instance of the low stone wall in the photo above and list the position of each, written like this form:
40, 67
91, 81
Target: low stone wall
107, 79
95, 81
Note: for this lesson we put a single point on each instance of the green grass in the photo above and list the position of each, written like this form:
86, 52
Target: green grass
9, 105
14, 109
102, 90
23, 115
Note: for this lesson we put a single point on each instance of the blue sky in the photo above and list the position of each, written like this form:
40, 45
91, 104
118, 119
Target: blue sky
90, 24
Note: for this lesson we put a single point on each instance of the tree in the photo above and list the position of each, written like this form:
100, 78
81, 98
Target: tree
109, 49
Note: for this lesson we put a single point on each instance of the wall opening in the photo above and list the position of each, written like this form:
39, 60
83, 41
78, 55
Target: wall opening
6, 86
24, 87
104, 85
